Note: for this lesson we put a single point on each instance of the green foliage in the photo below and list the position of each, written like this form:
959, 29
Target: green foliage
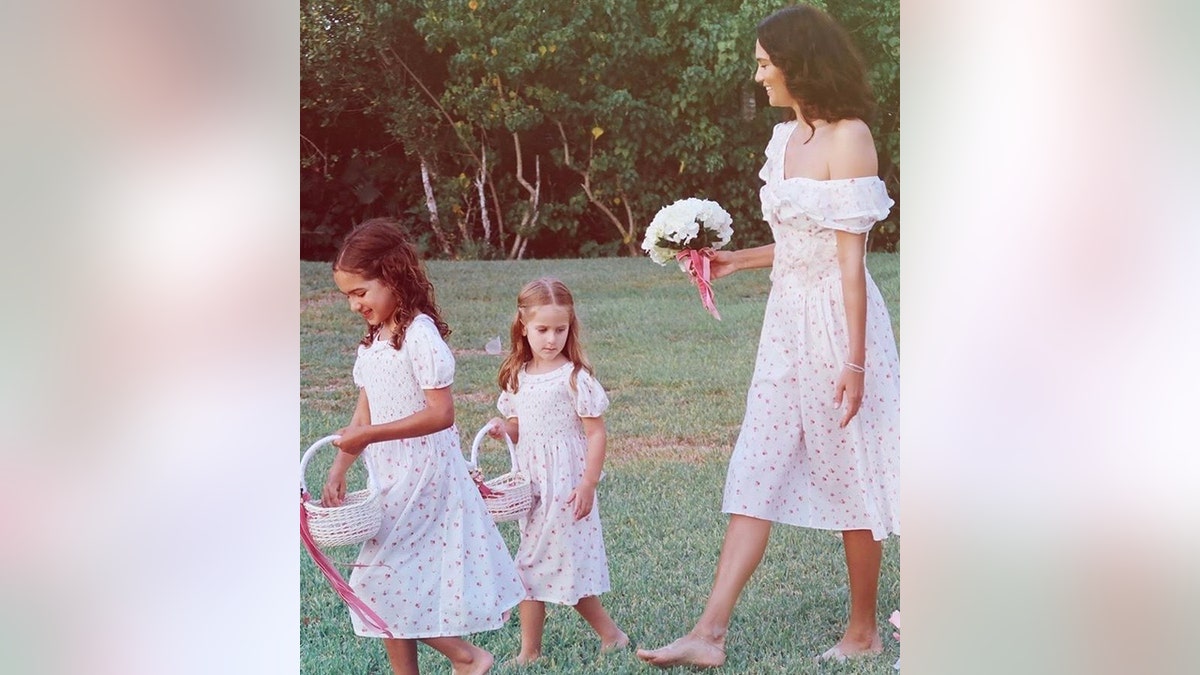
645, 101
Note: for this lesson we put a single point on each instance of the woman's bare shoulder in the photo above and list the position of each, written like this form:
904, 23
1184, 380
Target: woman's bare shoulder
853, 150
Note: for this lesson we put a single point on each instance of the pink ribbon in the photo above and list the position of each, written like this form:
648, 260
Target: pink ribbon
696, 264
484, 491
364, 612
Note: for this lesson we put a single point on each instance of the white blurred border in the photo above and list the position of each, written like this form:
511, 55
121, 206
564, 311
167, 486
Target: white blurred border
1050, 376
150, 337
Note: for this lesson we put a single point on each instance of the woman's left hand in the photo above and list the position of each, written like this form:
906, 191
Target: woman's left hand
848, 393
583, 496
353, 439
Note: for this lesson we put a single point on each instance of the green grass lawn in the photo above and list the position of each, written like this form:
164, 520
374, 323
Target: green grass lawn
677, 380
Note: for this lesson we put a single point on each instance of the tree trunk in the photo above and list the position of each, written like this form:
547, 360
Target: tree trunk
529, 218
464, 217
480, 179
431, 205
518, 247
491, 185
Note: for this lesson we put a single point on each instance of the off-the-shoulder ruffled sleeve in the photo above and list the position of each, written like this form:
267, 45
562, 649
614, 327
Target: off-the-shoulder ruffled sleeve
506, 405
849, 204
590, 399
433, 363
853, 205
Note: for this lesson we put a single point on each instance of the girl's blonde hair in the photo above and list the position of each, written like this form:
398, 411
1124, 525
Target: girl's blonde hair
540, 293
377, 249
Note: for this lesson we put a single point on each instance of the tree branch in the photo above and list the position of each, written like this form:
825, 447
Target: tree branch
317, 149
626, 233
437, 104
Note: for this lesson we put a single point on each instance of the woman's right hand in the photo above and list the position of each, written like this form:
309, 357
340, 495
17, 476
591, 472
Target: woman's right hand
334, 492
720, 263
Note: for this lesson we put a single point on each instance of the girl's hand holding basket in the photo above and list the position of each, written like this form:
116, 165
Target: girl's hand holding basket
350, 441
339, 519
507, 497
334, 492
495, 428
353, 439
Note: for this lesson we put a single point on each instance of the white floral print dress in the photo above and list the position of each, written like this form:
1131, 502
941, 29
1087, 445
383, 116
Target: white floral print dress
560, 559
438, 566
792, 463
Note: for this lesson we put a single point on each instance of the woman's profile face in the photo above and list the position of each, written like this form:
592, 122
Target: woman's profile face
772, 78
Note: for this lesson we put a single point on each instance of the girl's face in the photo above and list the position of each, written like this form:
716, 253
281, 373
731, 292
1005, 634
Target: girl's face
546, 329
368, 297
772, 79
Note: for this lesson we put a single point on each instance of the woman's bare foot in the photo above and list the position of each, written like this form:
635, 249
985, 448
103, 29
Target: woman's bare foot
524, 659
689, 650
620, 643
852, 649
480, 662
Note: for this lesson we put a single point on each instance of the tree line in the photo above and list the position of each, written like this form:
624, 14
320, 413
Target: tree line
528, 128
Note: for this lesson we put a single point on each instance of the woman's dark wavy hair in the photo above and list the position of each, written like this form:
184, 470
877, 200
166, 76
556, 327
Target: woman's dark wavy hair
822, 69
377, 249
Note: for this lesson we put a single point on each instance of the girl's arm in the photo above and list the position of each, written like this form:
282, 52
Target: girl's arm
335, 484
853, 156
437, 415
725, 263
584, 495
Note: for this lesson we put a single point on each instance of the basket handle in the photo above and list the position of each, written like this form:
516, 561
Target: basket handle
312, 449
512, 451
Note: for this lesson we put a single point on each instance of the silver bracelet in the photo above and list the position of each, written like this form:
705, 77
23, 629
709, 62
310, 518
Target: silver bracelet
853, 367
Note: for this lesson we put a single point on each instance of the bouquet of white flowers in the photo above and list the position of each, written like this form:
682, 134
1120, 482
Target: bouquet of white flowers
684, 231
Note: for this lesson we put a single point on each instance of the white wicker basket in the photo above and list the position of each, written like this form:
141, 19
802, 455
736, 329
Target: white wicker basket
358, 518
513, 493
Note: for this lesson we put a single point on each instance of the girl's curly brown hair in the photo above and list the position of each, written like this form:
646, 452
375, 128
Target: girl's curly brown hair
823, 70
377, 249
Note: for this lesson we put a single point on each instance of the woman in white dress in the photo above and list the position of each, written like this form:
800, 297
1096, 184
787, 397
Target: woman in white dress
819, 445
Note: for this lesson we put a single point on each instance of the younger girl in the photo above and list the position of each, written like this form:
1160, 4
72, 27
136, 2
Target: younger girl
552, 405
438, 568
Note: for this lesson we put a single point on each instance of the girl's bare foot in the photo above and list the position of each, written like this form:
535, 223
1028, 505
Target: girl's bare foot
850, 648
620, 643
524, 659
689, 650
480, 662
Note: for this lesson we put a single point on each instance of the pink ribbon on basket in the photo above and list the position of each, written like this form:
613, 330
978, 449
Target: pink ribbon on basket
696, 264
484, 491
323, 563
